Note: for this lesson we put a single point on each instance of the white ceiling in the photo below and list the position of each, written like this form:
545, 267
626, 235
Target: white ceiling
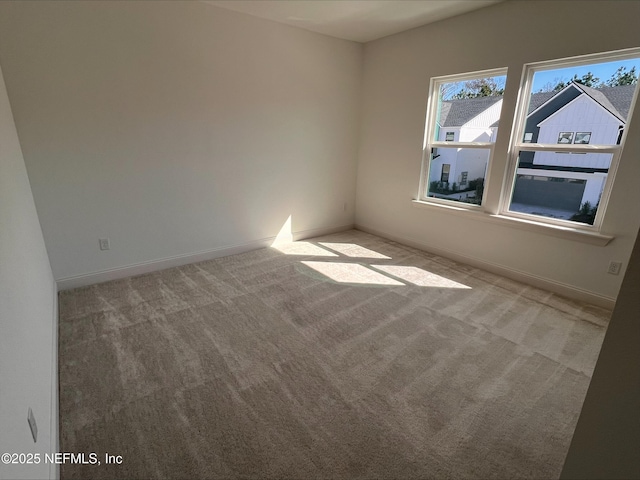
358, 20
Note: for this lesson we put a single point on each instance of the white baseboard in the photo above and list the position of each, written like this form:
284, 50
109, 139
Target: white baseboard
553, 286
76, 281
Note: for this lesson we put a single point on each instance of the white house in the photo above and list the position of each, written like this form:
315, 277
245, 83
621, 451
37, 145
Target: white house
465, 120
555, 180
576, 114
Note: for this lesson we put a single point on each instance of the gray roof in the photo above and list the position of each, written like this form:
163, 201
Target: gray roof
538, 99
619, 98
455, 113
599, 96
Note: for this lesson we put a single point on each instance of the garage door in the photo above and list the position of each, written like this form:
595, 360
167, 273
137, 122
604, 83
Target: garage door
551, 192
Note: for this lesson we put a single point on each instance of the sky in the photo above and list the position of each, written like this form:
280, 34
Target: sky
603, 71
600, 70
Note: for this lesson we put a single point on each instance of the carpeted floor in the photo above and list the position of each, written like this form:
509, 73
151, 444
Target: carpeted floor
346, 356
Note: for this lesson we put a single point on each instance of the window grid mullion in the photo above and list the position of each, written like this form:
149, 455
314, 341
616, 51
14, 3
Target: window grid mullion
546, 147
440, 144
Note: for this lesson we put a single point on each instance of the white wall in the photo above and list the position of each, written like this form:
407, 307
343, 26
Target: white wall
607, 438
397, 70
28, 314
175, 128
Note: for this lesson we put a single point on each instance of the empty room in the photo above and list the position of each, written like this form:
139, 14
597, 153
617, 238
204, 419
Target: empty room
318, 239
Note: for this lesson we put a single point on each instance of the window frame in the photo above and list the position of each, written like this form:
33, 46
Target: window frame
430, 145
517, 141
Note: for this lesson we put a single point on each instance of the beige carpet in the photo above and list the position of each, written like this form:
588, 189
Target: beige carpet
346, 356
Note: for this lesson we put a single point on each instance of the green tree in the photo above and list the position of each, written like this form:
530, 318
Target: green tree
622, 76
588, 80
586, 214
480, 87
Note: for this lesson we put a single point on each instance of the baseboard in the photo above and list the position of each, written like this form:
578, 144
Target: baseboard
54, 468
141, 268
553, 286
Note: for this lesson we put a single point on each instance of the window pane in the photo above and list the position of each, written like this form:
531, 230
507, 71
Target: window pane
458, 174
469, 110
565, 186
586, 104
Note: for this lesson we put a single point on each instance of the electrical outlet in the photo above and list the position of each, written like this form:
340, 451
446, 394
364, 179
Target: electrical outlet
32, 425
614, 268
104, 244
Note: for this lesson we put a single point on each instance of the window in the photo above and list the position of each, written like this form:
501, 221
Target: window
568, 130
444, 176
565, 137
462, 124
582, 137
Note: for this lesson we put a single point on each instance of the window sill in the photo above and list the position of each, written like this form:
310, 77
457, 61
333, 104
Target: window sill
560, 231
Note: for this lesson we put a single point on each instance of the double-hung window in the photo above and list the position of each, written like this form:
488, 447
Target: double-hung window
569, 129
462, 123
568, 136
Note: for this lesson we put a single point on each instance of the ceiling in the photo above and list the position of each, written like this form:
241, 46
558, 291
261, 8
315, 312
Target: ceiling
358, 20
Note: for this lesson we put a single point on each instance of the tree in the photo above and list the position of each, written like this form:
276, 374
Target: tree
480, 87
623, 77
447, 90
588, 80
586, 214
550, 86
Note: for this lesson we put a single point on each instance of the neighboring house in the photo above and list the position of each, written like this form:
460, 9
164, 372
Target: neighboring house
465, 120
580, 115
564, 181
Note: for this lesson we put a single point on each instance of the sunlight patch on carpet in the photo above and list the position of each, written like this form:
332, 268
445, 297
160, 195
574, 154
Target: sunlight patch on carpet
353, 250
351, 273
419, 277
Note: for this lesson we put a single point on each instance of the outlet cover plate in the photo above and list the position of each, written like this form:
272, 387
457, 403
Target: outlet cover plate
614, 268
